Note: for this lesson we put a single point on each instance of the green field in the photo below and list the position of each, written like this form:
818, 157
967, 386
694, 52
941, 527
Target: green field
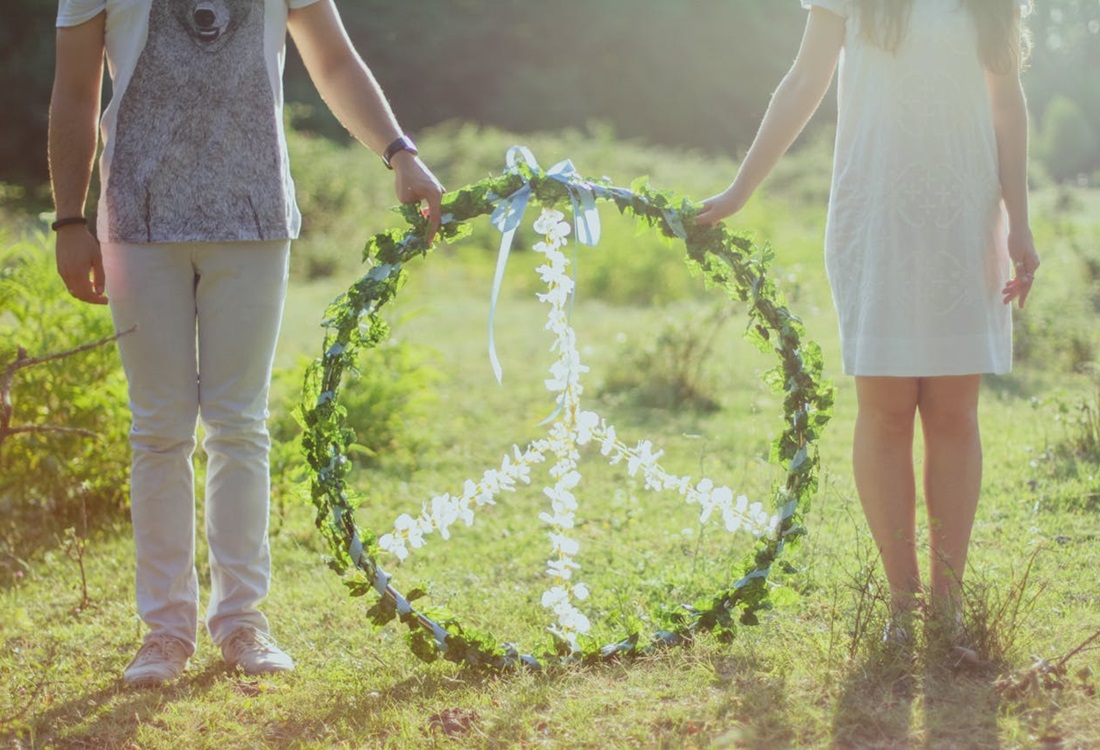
812, 674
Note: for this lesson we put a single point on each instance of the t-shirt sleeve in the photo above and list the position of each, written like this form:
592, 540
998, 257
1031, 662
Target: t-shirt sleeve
76, 12
840, 7
292, 4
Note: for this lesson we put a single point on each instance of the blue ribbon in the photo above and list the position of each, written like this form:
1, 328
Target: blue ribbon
509, 215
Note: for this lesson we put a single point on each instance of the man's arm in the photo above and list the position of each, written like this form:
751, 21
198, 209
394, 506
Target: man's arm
354, 96
73, 135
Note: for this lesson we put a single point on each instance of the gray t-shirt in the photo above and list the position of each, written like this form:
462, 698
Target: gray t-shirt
194, 149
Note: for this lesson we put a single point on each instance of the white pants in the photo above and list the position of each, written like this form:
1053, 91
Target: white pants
208, 317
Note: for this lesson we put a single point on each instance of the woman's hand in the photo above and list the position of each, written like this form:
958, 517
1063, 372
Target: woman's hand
1025, 262
798, 96
718, 207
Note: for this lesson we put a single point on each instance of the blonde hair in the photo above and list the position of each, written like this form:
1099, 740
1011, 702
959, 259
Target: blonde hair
1003, 42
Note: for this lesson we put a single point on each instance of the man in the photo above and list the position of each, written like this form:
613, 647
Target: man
195, 220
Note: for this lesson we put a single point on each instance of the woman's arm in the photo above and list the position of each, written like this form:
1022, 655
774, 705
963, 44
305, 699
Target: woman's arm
73, 135
791, 107
354, 96
1006, 95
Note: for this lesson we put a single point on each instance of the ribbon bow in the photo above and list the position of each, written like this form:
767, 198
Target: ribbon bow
509, 215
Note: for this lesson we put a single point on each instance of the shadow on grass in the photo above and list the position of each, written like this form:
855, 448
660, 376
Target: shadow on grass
111, 716
960, 709
876, 705
760, 703
925, 701
366, 711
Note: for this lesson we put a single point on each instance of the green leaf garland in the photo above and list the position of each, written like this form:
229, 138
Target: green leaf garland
727, 260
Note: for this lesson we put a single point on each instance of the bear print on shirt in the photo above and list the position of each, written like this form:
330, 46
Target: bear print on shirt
196, 153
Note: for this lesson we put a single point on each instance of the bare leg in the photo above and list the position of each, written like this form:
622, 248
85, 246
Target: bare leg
882, 458
952, 477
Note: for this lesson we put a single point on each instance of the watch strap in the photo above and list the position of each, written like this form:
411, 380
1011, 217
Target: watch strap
402, 143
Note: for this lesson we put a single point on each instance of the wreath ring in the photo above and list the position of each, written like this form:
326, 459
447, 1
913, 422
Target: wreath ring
728, 260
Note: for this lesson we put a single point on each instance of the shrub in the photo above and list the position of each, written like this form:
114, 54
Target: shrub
670, 373
53, 471
1082, 421
387, 406
1067, 140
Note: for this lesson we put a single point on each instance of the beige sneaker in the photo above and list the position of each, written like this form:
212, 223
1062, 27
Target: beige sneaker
255, 652
160, 659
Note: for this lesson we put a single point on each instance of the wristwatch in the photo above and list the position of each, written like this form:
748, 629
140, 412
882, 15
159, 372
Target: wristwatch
403, 143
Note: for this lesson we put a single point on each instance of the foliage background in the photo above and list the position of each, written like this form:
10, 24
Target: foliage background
51, 474
525, 65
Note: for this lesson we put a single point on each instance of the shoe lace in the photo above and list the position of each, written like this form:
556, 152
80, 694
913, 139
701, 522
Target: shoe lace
157, 648
249, 639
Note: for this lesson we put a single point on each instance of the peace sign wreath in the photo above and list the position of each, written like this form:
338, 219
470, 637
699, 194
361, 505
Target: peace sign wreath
727, 260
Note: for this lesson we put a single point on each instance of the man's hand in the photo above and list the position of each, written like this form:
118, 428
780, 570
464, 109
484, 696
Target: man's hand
414, 183
74, 119
80, 264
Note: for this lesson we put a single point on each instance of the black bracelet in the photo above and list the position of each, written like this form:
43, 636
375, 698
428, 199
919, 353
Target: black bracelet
67, 221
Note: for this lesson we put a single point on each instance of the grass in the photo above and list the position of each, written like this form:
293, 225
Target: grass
812, 675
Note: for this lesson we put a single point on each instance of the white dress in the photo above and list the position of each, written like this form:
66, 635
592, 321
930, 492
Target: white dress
915, 241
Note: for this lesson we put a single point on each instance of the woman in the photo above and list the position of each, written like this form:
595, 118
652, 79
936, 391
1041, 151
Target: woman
930, 164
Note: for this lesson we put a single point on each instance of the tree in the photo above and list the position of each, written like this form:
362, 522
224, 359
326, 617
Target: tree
26, 76
695, 73
1067, 143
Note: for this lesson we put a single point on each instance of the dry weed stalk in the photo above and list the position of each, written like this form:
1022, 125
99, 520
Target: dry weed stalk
22, 361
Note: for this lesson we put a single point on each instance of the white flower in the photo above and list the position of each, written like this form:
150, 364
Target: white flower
409, 528
560, 520
642, 457
394, 545
587, 421
560, 498
680, 484
722, 496
570, 480
560, 232
564, 545
580, 592
548, 220
566, 635
466, 514
708, 508
444, 513
733, 521
555, 597
608, 442
773, 524
574, 621
562, 569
